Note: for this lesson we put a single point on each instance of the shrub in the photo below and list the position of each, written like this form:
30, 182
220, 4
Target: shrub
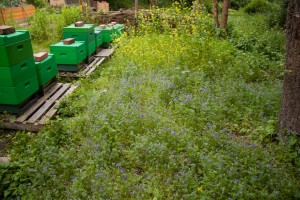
9, 3
37, 3
276, 14
115, 5
257, 6
47, 25
237, 4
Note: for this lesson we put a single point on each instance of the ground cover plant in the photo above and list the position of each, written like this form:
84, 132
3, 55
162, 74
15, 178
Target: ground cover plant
177, 113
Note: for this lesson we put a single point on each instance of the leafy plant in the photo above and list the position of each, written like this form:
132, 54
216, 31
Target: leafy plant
257, 6
37, 3
47, 25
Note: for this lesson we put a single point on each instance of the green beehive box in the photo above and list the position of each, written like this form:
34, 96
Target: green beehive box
15, 53
71, 54
46, 70
99, 38
107, 33
84, 33
91, 47
12, 76
12, 38
18, 94
119, 30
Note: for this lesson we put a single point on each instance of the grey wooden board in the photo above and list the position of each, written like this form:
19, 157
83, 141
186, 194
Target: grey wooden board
40, 101
105, 52
48, 104
53, 109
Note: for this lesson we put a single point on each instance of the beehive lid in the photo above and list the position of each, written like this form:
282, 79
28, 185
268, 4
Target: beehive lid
12, 38
97, 32
60, 46
84, 28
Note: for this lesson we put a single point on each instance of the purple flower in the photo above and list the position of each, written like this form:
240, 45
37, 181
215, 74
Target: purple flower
119, 164
124, 176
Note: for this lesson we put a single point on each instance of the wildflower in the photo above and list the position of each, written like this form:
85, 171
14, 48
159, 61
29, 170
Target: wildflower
200, 189
119, 164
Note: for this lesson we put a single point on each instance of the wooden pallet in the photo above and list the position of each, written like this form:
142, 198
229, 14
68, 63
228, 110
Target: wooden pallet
104, 52
36, 117
88, 69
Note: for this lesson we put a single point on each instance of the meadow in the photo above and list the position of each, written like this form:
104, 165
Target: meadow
180, 111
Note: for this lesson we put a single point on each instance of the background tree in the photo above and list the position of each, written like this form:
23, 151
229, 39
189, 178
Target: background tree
216, 13
290, 107
224, 17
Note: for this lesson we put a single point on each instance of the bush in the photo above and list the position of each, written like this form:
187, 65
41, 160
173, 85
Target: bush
9, 3
115, 5
47, 25
237, 4
37, 3
276, 14
257, 6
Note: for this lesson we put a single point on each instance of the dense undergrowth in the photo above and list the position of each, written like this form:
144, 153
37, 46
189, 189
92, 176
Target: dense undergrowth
181, 111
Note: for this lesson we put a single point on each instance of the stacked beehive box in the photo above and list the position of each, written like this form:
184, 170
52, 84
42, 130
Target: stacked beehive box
119, 29
46, 68
69, 54
99, 38
82, 32
17, 69
107, 32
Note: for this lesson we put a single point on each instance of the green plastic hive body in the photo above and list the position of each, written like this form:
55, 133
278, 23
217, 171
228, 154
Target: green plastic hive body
118, 30
107, 33
91, 47
12, 76
14, 53
18, 78
46, 70
71, 54
12, 38
84, 33
18, 94
99, 38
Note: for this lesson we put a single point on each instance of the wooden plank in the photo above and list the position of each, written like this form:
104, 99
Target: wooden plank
95, 67
105, 53
53, 109
48, 103
21, 126
90, 71
100, 61
89, 67
40, 101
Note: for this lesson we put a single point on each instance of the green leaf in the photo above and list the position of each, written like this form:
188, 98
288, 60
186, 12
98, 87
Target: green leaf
6, 193
293, 155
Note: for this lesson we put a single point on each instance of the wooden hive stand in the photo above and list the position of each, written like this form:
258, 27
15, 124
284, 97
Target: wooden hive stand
37, 115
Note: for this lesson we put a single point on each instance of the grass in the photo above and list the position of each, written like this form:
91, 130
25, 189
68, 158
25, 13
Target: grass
177, 113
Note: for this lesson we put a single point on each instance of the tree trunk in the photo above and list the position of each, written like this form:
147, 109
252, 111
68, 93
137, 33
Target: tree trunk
290, 107
224, 17
215, 12
136, 8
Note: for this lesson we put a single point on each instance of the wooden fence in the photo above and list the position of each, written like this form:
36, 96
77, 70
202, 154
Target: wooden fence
16, 13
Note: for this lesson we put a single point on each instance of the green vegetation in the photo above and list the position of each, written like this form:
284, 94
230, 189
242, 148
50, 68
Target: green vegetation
9, 3
257, 6
181, 111
47, 24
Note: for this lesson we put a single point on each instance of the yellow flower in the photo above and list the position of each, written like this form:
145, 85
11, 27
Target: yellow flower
200, 189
